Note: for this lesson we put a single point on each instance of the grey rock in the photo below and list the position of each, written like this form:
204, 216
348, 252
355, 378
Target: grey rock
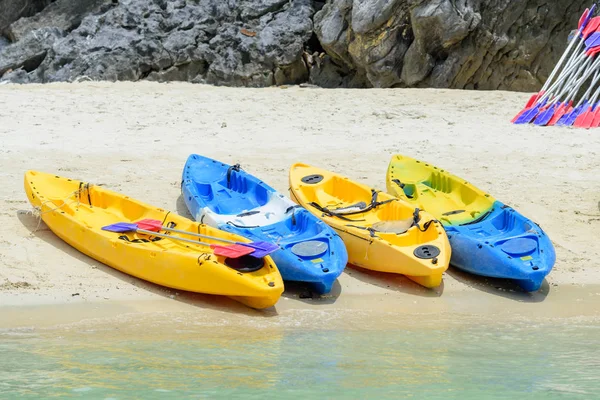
332, 28
62, 14
183, 72
17, 76
29, 52
470, 44
292, 74
3, 42
467, 44
12, 10
368, 15
238, 43
324, 72
417, 65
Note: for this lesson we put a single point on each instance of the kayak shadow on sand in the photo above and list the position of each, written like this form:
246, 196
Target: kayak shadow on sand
300, 291
395, 282
500, 287
182, 209
215, 302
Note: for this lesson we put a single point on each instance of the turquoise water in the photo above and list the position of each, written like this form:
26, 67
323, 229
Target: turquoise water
498, 361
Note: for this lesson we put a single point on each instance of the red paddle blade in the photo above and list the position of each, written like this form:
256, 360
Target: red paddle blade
533, 99
580, 120
593, 51
591, 27
153, 225
231, 251
596, 122
560, 111
589, 121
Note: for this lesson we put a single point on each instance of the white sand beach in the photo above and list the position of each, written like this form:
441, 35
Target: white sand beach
135, 137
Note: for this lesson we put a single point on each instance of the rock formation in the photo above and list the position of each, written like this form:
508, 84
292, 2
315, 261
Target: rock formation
471, 44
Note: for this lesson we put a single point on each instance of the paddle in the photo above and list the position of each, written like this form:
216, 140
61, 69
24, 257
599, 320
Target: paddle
546, 115
596, 122
560, 111
232, 251
261, 248
585, 29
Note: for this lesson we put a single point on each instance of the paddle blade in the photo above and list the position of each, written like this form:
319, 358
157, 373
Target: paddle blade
529, 115
518, 115
593, 51
575, 113
231, 251
120, 227
593, 40
259, 254
563, 119
534, 97
560, 111
589, 121
153, 225
582, 118
544, 117
261, 249
591, 27
583, 19
596, 122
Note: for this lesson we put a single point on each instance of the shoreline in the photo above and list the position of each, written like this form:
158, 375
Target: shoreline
481, 304
135, 137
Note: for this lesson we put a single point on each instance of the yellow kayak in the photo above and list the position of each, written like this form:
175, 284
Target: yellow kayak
381, 232
442, 194
76, 212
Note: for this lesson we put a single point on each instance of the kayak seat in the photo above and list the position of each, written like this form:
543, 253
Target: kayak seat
505, 221
301, 223
237, 183
346, 191
439, 182
241, 195
204, 190
394, 211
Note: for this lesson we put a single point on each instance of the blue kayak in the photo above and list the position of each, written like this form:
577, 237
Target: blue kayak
228, 198
503, 244
487, 237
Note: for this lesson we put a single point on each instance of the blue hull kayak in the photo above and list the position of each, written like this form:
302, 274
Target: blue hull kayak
503, 244
230, 199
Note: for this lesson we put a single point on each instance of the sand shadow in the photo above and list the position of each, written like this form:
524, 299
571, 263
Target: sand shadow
500, 287
396, 282
182, 209
301, 291
208, 301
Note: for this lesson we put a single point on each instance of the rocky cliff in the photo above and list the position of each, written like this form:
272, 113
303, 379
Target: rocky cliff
472, 44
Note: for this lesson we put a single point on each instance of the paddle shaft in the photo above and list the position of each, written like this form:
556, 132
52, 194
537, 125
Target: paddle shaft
566, 80
564, 56
171, 237
576, 84
595, 96
199, 235
589, 90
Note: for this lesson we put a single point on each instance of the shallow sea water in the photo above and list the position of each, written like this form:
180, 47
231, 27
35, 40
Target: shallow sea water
444, 360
